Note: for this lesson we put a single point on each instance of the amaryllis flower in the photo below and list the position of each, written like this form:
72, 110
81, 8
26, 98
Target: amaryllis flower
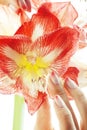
39, 47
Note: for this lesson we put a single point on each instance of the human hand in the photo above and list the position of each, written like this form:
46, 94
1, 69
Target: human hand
64, 112
66, 116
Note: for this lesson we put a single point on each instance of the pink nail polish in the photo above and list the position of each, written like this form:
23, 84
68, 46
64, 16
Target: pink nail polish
58, 101
54, 78
70, 83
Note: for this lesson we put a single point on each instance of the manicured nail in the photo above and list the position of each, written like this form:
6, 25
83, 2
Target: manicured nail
70, 83
25, 4
58, 101
54, 78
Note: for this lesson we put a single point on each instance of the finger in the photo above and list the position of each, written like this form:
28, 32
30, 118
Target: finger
63, 114
80, 99
55, 88
43, 119
25, 4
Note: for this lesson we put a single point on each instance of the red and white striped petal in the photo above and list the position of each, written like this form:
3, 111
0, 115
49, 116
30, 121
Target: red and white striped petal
61, 45
72, 73
37, 3
7, 85
10, 50
19, 43
33, 104
64, 11
41, 23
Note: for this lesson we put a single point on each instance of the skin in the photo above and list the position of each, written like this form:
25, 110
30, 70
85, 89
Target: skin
9, 2
64, 112
43, 117
23, 4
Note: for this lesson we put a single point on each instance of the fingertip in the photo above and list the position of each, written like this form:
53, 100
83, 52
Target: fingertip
58, 101
54, 78
74, 90
70, 84
53, 85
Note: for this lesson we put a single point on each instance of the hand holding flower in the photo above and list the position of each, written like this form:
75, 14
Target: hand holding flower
63, 108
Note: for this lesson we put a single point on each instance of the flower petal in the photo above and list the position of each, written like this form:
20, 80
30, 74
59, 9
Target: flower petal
10, 49
19, 43
38, 3
9, 20
82, 36
41, 23
7, 85
61, 45
34, 103
64, 11
72, 73
23, 15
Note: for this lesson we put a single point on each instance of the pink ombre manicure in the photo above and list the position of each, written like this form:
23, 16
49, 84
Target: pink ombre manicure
58, 101
70, 83
54, 78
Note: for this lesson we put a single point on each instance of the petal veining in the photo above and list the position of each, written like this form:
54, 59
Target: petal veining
61, 45
41, 23
64, 11
7, 85
38, 31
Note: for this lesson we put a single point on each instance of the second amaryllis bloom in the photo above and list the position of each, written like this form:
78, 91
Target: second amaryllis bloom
39, 47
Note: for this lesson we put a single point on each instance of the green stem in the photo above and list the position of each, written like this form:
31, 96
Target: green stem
18, 112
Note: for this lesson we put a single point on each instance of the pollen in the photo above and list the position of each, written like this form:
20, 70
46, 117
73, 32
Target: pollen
33, 73
34, 66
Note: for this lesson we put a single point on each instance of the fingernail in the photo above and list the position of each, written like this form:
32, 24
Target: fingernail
25, 4
54, 78
58, 101
70, 83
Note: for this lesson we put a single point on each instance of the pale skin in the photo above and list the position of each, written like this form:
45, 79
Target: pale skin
23, 4
65, 115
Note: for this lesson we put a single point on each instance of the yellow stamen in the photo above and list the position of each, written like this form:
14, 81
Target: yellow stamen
36, 68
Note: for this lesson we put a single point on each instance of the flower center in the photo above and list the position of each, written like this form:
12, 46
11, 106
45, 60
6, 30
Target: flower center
33, 70
34, 65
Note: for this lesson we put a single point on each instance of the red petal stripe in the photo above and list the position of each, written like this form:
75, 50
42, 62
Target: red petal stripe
64, 40
72, 73
64, 11
38, 3
7, 85
18, 43
43, 20
34, 103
